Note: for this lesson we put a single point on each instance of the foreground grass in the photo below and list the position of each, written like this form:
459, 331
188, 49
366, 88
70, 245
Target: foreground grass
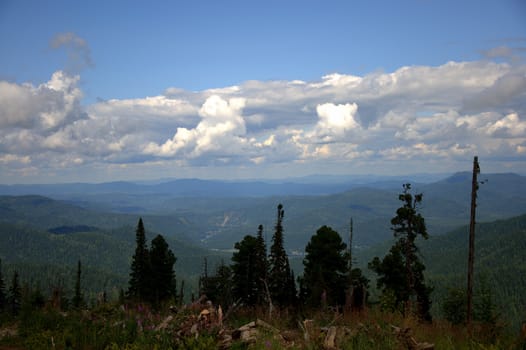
116, 327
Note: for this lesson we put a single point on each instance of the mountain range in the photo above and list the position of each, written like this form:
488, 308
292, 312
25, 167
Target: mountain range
43, 237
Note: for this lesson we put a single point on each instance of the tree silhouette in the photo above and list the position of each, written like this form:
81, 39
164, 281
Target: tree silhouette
3, 298
261, 266
218, 287
14, 298
401, 272
280, 280
325, 268
139, 283
244, 271
162, 260
77, 298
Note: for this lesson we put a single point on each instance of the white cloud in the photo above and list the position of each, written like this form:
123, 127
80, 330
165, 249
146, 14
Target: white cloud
509, 126
336, 120
431, 114
48, 105
221, 130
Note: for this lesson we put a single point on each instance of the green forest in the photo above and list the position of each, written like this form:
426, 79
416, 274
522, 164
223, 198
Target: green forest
73, 278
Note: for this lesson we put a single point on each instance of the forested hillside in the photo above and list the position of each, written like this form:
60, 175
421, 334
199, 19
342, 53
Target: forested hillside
499, 264
43, 239
223, 218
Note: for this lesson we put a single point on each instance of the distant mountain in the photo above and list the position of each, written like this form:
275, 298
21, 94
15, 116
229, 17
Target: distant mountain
220, 213
309, 185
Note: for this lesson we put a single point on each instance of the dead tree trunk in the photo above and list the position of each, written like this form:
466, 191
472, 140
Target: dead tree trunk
471, 255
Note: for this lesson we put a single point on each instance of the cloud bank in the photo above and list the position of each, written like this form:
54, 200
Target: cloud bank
415, 119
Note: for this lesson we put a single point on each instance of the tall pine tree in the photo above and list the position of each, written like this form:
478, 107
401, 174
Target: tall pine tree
261, 273
139, 284
280, 280
245, 281
14, 299
162, 260
78, 300
3, 298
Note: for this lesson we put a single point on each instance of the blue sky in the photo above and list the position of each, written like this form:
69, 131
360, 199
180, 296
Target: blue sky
108, 90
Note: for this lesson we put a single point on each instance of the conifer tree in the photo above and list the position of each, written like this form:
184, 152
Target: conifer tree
78, 298
401, 272
245, 284
162, 260
326, 268
218, 287
14, 299
3, 298
261, 265
279, 278
139, 283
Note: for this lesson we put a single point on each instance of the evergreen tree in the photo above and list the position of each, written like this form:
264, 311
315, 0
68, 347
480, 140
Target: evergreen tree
139, 283
36, 298
162, 260
3, 298
218, 287
245, 283
78, 300
14, 298
261, 265
279, 278
401, 272
325, 269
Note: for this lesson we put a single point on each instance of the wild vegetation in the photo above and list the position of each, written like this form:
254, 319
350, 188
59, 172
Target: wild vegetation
330, 304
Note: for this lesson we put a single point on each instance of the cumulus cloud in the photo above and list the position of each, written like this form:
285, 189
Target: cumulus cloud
336, 120
508, 126
46, 106
439, 115
220, 131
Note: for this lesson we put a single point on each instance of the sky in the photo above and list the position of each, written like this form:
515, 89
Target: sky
95, 91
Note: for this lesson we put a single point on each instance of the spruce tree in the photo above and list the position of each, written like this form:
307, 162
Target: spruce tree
14, 299
325, 268
78, 301
218, 286
138, 288
279, 279
261, 265
162, 260
3, 298
245, 283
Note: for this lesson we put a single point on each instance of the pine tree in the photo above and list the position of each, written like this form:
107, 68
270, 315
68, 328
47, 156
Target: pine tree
401, 272
3, 298
162, 260
77, 300
279, 268
14, 299
325, 268
139, 283
261, 266
218, 287
245, 284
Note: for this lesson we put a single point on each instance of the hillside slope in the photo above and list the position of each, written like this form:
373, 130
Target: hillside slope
500, 248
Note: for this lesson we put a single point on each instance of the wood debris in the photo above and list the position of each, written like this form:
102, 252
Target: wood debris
404, 336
